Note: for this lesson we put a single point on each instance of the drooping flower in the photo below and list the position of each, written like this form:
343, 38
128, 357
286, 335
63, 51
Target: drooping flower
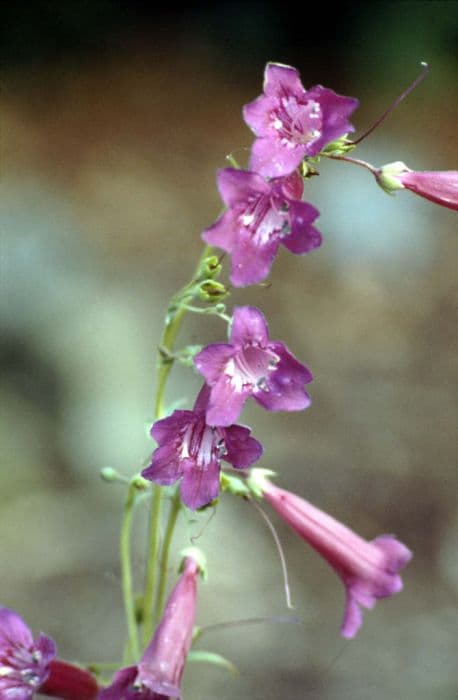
291, 122
369, 570
439, 187
158, 674
251, 365
24, 662
191, 449
260, 216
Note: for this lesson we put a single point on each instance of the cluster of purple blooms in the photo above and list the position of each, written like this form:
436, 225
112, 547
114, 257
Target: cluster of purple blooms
264, 209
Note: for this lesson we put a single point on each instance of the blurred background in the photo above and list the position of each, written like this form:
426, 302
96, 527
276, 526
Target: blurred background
115, 117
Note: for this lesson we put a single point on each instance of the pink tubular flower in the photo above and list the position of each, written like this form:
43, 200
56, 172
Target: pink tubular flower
369, 570
192, 450
291, 122
251, 365
261, 215
158, 674
439, 187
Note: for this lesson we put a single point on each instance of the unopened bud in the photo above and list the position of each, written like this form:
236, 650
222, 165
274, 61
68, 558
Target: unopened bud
388, 176
209, 290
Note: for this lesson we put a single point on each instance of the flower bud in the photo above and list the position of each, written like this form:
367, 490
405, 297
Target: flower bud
439, 187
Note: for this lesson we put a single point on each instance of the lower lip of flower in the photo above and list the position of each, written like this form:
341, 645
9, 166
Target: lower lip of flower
250, 368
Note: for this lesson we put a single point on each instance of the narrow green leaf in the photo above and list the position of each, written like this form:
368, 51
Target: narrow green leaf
210, 657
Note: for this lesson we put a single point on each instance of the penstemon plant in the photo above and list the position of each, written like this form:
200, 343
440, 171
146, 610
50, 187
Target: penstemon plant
295, 128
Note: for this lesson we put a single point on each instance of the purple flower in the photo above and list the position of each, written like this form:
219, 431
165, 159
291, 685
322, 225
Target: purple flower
291, 122
251, 365
24, 662
369, 570
192, 450
260, 216
158, 674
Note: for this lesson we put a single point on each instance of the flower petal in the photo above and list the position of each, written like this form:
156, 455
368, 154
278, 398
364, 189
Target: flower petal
353, 617
223, 233
212, 360
335, 110
225, 403
249, 326
280, 79
242, 449
166, 466
167, 429
235, 186
285, 390
13, 630
272, 158
202, 399
303, 237
251, 262
200, 486
257, 114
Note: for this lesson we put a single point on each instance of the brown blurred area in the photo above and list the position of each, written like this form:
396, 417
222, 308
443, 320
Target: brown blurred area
109, 156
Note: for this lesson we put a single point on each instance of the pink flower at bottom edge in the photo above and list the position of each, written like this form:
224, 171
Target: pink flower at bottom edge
24, 662
158, 674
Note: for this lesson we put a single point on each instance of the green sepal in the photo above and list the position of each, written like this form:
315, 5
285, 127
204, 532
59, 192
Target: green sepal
210, 290
307, 167
234, 484
198, 556
257, 479
339, 147
210, 267
387, 176
139, 483
210, 657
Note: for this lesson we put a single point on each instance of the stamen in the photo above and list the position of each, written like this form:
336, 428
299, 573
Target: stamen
281, 553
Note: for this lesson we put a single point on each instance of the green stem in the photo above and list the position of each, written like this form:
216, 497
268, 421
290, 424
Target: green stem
171, 522
175, 315
208, 310
151, 567
126, 573
355, 161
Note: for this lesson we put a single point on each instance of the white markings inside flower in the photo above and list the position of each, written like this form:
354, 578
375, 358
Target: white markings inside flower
264, 217
31, 678
250, 368
19, 666
296, 124
202, 444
